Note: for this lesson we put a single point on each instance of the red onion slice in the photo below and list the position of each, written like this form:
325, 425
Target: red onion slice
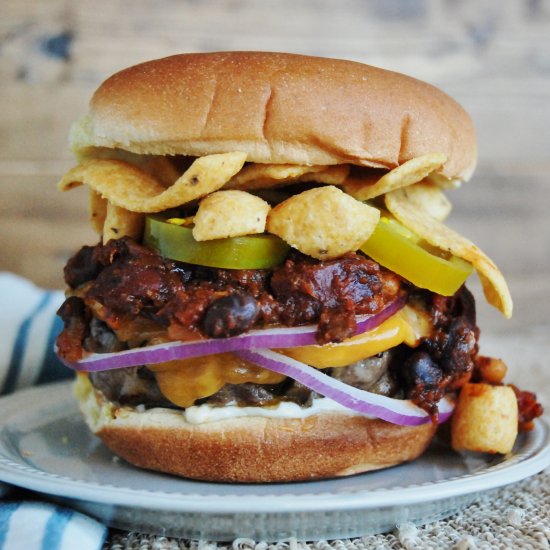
396, 411
268, 338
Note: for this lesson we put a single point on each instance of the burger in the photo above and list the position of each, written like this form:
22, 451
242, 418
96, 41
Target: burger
275, 295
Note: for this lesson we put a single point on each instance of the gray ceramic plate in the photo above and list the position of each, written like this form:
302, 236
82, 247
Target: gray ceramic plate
45, 447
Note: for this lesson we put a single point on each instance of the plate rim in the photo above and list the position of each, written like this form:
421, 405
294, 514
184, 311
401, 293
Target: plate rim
24, 475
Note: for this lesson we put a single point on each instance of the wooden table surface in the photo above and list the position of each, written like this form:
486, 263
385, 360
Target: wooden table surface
493, 56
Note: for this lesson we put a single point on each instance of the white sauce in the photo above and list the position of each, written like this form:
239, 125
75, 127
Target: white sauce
200, 414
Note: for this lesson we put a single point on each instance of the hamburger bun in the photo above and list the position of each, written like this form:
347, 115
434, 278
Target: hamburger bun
277, 108
251, 449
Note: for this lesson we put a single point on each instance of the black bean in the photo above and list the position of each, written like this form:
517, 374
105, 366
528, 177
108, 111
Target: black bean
421, 370
230, 315
460, 348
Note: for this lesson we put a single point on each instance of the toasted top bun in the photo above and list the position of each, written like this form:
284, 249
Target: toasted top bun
277, 108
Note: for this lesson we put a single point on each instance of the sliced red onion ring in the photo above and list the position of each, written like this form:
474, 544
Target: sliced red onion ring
396, 411
267, 338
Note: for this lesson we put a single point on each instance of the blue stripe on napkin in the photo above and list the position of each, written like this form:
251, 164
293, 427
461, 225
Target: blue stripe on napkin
55, 528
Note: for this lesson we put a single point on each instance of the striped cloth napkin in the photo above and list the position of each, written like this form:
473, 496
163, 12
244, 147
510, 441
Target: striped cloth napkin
28, 328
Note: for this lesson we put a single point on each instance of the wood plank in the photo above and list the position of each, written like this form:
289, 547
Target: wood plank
40, 227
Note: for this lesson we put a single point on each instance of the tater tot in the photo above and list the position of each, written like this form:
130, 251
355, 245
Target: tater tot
485, 419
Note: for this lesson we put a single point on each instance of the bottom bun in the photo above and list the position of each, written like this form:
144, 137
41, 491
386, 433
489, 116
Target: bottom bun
251, 449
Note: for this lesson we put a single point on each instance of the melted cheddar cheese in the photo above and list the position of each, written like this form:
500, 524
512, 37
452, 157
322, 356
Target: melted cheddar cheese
184, 381
407, 326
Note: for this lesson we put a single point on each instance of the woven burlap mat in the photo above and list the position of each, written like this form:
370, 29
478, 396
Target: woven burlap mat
517, 516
